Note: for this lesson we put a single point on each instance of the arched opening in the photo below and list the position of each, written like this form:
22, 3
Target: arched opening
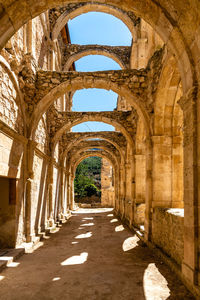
92, 63
87, 182
99, 28
94, 100
92, 126
160, 157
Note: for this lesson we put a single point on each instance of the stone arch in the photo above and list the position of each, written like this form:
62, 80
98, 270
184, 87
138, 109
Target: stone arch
105, 146
168, 89
78, 84
101, 149
85, 118
73, 58
97, 7
161, 17
84, 138
90, 154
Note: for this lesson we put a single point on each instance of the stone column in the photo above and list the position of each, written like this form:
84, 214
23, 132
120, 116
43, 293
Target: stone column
30, 230
128, 191
162, 171
122, 191
177, 172
68, 189
61, 206
72, 193
149, 191
190, 265
140, 189
50, 194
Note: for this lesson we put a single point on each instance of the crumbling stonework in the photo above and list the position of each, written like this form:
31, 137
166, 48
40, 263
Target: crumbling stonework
65, 120
156, 162
72, 52
55, 13
116, 137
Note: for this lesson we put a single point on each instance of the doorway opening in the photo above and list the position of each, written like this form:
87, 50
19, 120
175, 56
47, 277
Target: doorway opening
7, 212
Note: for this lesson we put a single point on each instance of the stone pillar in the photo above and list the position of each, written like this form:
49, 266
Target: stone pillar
190, 265
140, 175
177, 172
149, 191
30, 230
107, 188
116, 187
68, 189
50, 194
72, 193
128, 191
61, 206
162, 171
122, 191
140, 189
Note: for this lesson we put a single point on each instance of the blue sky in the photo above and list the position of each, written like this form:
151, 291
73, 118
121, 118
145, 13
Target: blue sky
92, 126
92, 63
94, 100
99, 28
102, 29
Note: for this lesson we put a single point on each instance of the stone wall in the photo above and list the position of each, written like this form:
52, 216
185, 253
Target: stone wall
10, 113
167, 232
41, 135
107, 184
11, 213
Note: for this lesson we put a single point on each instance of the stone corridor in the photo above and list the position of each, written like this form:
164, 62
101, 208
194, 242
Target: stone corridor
93, 256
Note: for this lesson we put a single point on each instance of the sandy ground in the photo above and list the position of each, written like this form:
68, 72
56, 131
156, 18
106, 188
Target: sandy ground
92, 257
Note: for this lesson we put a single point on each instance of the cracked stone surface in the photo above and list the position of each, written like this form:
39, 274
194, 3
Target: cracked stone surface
92, 257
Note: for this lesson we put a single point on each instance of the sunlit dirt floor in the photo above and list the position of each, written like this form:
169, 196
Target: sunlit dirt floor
92, 257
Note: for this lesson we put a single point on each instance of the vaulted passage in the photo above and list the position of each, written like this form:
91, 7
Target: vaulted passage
115, 80
93, 256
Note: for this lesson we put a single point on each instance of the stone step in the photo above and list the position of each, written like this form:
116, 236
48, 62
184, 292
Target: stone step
8, 256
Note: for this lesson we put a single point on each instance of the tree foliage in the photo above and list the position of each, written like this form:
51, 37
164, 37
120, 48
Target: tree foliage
84, 183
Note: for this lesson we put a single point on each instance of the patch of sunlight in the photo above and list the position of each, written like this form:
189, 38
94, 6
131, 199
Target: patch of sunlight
154, 283
6, 258
93, 210
13, 264
56, 279
84, 235
110, 215
176, 211
88, 218
75, 260
88, 224
74, 243
1, 277
113, 221
130, 243
119, 228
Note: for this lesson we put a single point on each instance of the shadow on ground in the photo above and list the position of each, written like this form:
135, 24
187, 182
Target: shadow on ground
93, 257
